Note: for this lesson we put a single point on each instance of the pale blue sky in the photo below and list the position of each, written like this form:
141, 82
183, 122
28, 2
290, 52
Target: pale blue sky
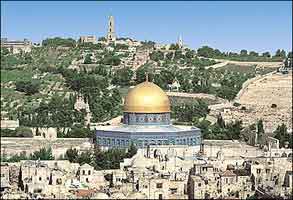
259, 26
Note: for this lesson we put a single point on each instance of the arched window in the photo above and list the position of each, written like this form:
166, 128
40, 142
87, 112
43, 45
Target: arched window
89, 172
146, 118
83, 172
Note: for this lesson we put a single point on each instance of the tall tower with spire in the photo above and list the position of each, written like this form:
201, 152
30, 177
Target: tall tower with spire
180, 42
111, 37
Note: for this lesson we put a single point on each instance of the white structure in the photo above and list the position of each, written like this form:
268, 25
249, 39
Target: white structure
88, 39
180, 42
16, 46
111, 37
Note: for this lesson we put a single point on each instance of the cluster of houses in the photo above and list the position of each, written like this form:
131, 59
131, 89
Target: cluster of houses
156, 172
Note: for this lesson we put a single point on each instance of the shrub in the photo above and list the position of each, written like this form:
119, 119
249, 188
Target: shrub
8, 133
23, 132
28, 87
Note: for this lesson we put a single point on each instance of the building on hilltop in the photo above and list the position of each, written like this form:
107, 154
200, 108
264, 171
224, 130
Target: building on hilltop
146, 121
88, 39
16, 46
111, 37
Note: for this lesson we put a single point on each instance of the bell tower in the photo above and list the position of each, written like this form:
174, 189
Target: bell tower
111, 37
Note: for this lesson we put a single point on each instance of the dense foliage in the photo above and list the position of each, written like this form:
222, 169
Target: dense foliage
18, 132
57, 41
101, 160
188, 112
220, 130
42, 154
283, 136
28, 87
244, 55
122, 77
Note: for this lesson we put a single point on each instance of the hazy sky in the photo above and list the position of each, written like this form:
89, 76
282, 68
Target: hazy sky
258, 26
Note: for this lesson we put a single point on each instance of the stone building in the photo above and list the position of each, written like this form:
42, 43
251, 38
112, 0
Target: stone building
209, 180
146, 121
88, 39
16, 46
38, 177
5, 180
85, 173
9, 124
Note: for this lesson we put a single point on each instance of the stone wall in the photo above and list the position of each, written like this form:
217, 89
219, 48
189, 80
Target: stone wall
12, 145
9, 124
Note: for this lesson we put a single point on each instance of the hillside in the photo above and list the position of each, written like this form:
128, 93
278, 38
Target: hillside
64, 83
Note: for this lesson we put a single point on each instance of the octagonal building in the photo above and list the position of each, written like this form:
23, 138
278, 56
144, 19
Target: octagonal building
146, 121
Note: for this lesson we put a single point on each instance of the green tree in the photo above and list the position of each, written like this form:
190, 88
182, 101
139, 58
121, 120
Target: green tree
102, 39
57, 41
131, 150
122, 77
42, 154
260, 132
282, 135
87, 59
8, 133
71, 155
266, 54
157, 56
79, 131
169, 55
189, 54
253, 53
174, 47
85, 157
4, 51
205, 51
23, 132
243, 52
280, 53
220, 121
28, 87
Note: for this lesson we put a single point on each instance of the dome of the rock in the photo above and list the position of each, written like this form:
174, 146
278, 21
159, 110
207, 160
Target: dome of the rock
146, 97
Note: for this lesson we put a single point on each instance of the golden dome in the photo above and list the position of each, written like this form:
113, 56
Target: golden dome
146, 97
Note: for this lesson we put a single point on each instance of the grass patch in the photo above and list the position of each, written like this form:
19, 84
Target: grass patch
238, 68
15, 75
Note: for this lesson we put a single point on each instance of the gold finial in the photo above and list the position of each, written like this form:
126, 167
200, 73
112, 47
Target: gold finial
147, 77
